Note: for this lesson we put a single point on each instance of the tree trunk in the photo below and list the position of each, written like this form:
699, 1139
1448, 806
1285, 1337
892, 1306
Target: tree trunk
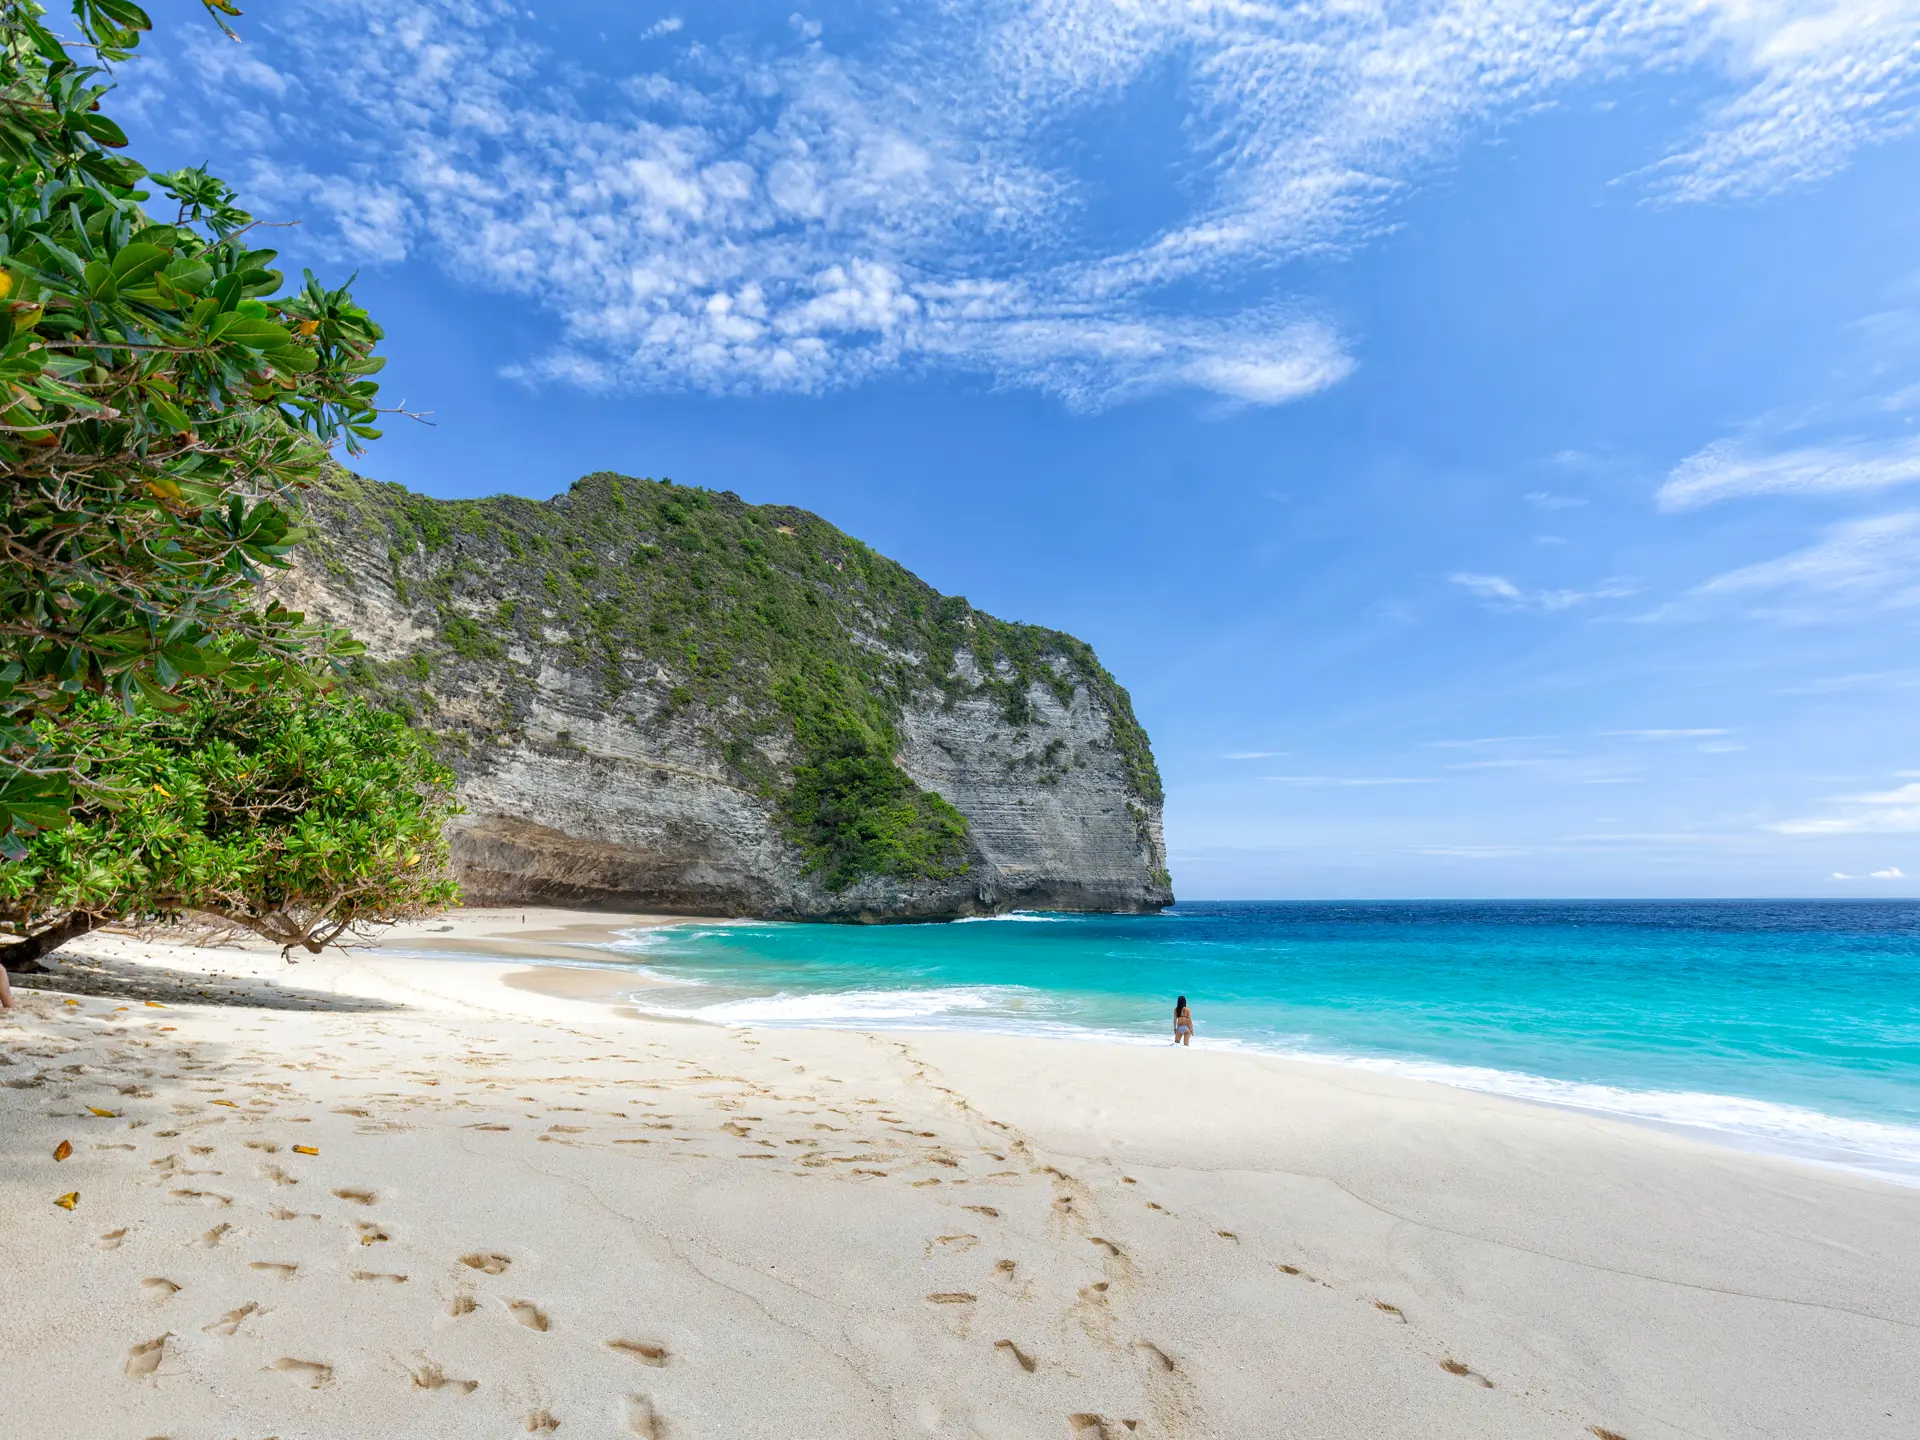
23, 956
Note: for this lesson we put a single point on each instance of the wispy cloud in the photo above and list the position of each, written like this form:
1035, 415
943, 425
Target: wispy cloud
1885, 811
1502, 594
1892, 872
1729, 468
1820, 79
1856, 570
803, 212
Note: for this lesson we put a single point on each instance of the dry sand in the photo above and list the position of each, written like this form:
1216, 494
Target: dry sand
382, 1195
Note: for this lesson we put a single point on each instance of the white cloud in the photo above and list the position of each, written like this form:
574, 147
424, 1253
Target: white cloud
1856, 570
1818, 79
806, 211
1727, 469
1502, 594
668, 26
1892, 872
1547, 500
1894, 811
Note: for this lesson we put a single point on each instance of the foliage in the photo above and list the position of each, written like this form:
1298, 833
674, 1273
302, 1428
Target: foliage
793, 647
297, 818
160, 397
852, 811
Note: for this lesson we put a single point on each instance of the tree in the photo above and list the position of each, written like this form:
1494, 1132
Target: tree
298, 818
160, 401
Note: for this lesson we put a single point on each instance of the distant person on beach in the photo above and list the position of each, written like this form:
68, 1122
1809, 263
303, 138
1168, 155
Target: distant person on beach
1182, 1022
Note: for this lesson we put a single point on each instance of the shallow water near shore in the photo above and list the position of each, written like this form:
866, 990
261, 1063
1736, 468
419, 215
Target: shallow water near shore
1789, 1027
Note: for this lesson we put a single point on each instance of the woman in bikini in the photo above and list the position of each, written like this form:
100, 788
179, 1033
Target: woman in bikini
1182, 1022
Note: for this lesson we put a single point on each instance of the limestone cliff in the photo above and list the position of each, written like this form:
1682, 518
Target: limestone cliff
664, 698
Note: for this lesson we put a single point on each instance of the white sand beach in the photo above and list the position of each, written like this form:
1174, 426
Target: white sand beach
423, 1195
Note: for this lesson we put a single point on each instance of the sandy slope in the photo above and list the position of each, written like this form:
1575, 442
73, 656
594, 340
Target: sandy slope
534, 1213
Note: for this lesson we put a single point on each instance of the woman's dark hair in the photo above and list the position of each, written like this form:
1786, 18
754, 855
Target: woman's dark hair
1179, 1004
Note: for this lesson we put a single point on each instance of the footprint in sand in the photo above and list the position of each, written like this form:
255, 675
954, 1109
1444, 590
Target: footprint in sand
1098, 1427
377, 1278
310, 1373
282, 1269
541, 1420
158, 1287
229, 1323
641, 1350
1156, 1355
431, 1377
952, 1297
986, 1210
1020, 1357
529, 1315
111, 1239
1394, 1310
1455, 1367
643, 1420
207, 1197
143, 1360
356, 1197
487, 1264
1600, 1432
462, 1305
277, 1175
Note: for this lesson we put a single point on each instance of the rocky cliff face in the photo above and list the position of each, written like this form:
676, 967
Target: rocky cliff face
659, 698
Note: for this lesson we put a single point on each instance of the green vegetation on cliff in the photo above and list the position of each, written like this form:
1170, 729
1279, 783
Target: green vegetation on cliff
795, 646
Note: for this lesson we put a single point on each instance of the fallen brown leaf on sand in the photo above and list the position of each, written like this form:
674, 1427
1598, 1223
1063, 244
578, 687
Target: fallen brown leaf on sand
63, 1150
68, 1200
306, 1149
104, 1114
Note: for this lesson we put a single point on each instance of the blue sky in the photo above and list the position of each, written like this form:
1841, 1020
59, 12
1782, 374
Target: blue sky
1481, 435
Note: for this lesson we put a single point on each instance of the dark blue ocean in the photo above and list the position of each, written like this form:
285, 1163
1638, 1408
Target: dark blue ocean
1786, 1026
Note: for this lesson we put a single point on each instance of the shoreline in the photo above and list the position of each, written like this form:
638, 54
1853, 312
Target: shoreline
1633, 1106
706, 1230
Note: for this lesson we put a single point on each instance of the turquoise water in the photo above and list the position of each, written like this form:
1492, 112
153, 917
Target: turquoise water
1792, 1027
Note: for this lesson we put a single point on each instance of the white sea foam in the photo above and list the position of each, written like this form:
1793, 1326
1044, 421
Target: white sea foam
1030, 916
1890, 1152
